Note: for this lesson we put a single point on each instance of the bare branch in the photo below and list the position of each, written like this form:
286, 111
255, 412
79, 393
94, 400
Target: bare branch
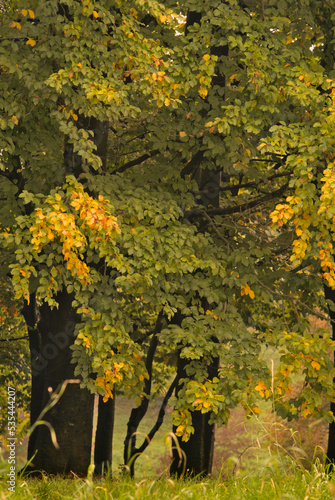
137, 161
16, 338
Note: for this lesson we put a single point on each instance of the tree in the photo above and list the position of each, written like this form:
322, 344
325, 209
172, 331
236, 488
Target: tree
119, 129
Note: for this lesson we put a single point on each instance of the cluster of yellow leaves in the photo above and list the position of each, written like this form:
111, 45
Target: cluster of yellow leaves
26, 12
210, 313
17, 25
262, 389
246, 290
86, 342
184, 429
110, 377
200, 404
66, 223
58, 223
282, 214
93, 213
308, 213
305, 411
70, 113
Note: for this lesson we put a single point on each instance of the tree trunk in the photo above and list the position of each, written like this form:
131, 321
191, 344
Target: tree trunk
104, 435
198, 451
72, 416
330, 457
29, 313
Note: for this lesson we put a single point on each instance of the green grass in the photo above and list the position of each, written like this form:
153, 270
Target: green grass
261, 458
267, 471
271, 482
155, 456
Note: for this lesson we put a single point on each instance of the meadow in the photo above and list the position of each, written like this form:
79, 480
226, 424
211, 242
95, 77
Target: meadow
259, 458
263, 457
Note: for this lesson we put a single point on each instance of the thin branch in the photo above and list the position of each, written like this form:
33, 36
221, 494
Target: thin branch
16, 338
137, 161
138, 413
238, 208
217, 232
252, 184
160, 417
330, 5
291, 299
193, 164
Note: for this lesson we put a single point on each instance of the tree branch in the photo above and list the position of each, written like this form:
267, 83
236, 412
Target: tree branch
197, 212
137, 161
138, 413
160, 417
16, 338
254, 184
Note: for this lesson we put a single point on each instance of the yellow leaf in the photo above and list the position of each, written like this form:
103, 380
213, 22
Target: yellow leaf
24, 12
162, 18
306, 412
246, 290
179, 430
31, 14
14, 24
182, 134
15, 120
260, 386
167, 101
95, 14
206, 57
257, 410
133, 12
31, 42
316, 365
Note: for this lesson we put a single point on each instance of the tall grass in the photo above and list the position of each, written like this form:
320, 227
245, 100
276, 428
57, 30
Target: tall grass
276, 474
266, 485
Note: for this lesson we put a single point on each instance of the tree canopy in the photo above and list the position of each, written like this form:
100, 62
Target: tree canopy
169, 166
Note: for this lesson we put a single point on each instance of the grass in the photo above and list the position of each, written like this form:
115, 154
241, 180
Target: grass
260, 458
269, 471
270, 482
156, 455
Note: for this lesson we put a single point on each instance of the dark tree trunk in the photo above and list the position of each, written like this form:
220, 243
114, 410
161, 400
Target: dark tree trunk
198, 451
104, 435
72, 416
29, 313
330, 457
